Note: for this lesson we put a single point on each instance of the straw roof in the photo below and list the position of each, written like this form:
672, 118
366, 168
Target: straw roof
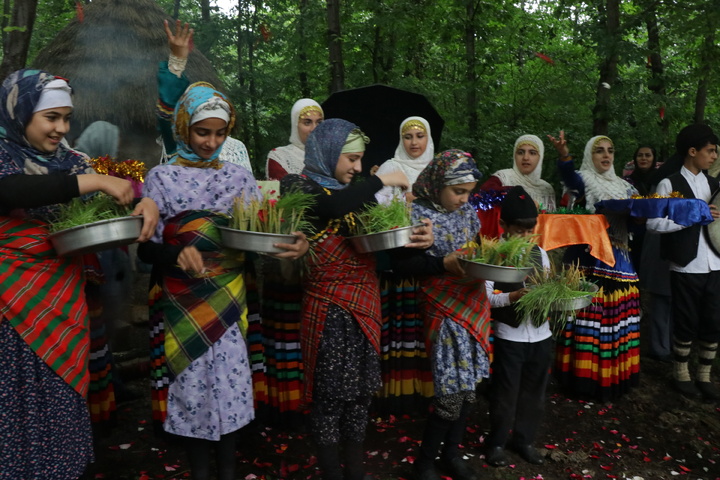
111, 60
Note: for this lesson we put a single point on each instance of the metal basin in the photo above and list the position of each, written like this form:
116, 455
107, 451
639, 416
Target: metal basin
97, 236
375, 242
495, 273
576, 303
254, 241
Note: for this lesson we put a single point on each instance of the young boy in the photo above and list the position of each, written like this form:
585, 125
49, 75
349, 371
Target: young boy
694, 265
522, 352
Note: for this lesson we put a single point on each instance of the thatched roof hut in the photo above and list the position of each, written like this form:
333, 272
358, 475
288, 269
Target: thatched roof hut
111, 59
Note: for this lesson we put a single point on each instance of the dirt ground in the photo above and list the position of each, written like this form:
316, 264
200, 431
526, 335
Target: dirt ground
650, 434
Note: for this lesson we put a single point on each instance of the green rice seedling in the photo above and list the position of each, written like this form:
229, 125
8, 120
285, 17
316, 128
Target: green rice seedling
510, 252
83, 211
284, 215
381, 218
552, 294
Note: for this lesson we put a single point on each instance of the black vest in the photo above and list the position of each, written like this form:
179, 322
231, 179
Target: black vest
681, 247
508, 314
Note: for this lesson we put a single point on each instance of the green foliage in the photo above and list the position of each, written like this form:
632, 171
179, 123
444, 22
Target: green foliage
80, 212
269, 215
510, 252
383, 217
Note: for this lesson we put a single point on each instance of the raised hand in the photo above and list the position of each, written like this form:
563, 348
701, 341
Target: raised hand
560, 144
180, 41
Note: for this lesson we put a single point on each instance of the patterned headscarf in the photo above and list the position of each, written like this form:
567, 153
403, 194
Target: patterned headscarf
19, 95
301, 108
451, 167
322, 151
195, 98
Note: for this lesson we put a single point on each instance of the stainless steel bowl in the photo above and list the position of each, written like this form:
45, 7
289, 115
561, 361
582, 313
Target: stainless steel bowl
576, 303
375, 242
495, 273
254, 241
97, 236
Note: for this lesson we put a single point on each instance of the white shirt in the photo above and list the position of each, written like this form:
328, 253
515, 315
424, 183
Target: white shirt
526, 332
706, 260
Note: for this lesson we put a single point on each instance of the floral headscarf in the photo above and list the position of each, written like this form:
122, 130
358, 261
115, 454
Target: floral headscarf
451, 167
322, 151
196, 97
19, 95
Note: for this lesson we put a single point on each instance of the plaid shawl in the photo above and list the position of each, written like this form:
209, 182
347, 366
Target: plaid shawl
42, 297
341, 276
463, 301
198, 310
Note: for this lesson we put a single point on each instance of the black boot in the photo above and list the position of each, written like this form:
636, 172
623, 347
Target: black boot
435, 432
354, 461
225, 457
198, 452
451, 459
329, 461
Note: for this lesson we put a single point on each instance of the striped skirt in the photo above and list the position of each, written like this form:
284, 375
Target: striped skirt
406, 373
598, 353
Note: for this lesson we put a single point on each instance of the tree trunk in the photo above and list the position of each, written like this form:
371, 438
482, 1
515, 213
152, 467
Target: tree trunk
205, 11
657, 81
608, 68
4, 21
253, 97
337, 67
176, 9
241, 75
704, 81
17, 41
302, 50
471, 73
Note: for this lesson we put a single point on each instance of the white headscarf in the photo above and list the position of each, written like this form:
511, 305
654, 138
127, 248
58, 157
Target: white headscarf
601, 186
540, 190
300, 108
292, 157
402, 160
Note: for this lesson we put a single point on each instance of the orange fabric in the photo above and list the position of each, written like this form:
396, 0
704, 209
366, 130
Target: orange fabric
560, 230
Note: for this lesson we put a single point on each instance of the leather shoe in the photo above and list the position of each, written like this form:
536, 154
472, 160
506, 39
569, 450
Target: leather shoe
708, 390
459, 469
496, 457
687, 388
667, 358
529, 454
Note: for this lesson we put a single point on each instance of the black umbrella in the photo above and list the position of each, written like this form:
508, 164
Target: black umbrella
378, 111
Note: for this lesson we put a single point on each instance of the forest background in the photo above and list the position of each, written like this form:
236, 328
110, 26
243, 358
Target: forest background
637, 71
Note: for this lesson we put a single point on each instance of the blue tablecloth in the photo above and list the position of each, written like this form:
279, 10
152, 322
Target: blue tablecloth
683, 211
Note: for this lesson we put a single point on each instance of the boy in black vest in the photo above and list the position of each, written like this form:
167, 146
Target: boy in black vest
694, 266
522, 352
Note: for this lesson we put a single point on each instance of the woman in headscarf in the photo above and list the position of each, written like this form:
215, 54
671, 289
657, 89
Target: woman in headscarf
202, 388
305, 116
172, 82
599, 352
455, 309
526, 171
645, 162
44, 329
413, 153
340, 329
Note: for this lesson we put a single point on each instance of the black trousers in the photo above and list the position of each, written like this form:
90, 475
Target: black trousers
520, 374
696, 306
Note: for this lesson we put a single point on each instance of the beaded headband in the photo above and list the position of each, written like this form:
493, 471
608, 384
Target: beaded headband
413, 124
310, 109
532, 144
600, 139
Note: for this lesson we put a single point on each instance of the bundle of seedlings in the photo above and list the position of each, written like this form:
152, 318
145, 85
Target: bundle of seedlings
510, 252
282, 215
383, 217
557, 292
81, 211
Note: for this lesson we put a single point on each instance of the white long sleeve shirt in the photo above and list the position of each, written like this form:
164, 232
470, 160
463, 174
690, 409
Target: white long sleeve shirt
706, 260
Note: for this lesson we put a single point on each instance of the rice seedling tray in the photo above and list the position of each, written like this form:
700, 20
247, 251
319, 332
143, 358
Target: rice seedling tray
97, 236
387, 240
249, 241
495, 273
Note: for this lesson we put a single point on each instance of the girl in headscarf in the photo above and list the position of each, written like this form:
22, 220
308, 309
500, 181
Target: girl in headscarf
340, 329
305, 116
413, 153
407, 383
526, 172
599, 352
43, 329
202, 388
455, 309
